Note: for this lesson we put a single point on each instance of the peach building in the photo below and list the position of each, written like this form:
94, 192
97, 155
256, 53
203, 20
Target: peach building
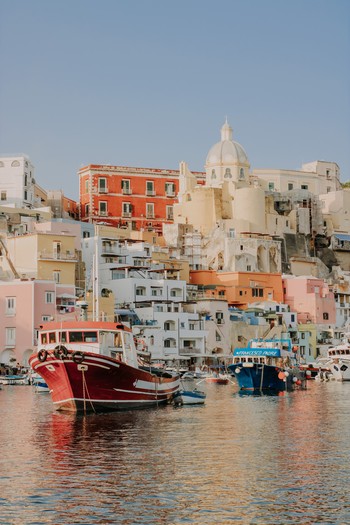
311, 298
239, 288
24, 305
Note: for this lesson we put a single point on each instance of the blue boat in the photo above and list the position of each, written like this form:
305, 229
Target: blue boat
189, 397
267, 365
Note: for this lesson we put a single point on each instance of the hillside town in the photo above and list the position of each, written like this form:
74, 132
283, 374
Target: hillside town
195, 263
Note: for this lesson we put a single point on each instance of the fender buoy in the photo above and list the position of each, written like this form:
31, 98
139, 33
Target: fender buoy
42, 355
60, 352
78, 357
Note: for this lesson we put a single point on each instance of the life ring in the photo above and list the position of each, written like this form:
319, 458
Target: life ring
60, 352
42, 355
78, 357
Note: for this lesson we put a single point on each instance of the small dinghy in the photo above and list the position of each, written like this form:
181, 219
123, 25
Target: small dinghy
189, 397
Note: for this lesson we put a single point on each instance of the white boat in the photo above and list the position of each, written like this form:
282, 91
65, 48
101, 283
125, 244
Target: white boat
14, 379
189, 397
339, 359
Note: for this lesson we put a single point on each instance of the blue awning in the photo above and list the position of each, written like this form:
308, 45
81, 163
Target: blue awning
342, 237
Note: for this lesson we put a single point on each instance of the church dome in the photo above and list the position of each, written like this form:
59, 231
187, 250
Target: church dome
227, 151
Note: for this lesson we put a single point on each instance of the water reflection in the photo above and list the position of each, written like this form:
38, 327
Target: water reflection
239, 458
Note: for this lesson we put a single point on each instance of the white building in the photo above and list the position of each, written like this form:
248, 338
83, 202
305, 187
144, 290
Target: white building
17, 183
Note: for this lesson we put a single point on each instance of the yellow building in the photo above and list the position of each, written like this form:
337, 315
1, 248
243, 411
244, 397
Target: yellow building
45, 256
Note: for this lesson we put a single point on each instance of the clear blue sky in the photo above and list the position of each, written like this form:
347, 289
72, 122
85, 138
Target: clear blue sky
148, 83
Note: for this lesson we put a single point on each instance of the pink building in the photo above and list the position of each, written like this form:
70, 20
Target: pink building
24, 305
311, 299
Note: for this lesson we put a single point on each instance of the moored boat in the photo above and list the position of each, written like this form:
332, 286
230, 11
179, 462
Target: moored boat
339, 359
189, 397
94, 366
267, 365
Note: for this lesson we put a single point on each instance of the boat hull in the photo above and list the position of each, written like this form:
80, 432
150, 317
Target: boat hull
258, 377
340, 369
100, 383
189, 397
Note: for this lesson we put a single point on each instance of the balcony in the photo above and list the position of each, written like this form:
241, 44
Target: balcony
190, 351
150, 193
53, 256
126, 214
102, 190
126, 191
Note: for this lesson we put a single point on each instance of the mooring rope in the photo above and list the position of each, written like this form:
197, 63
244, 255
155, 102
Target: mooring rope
85, 389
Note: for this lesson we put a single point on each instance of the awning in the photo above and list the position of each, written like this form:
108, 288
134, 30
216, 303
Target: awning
66, 296
342, 237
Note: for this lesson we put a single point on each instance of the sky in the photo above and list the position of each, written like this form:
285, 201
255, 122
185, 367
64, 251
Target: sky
149, 83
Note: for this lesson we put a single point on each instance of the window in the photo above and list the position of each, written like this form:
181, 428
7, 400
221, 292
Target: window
150, 210
25, 195
87, 186
102, 208
15, 164
271, 186
126, 187
213, 174
219, 317
3, 196
325, 316
170, 189
290, 185
25, 179
10, 336
140, 290
257, 292
45, 318
150, 187
10, 305
304, 187
127, 208
217, 336
169, 213
241, 173
49, 297
249, 268
117, 274
102, 185
87, 209
228, 174
56, 275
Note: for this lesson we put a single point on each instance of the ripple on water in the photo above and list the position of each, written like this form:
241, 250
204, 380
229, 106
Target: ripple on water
250, 460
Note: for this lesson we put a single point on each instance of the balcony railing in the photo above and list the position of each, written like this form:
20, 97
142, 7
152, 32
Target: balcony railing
188, 350
52, 256
126, 191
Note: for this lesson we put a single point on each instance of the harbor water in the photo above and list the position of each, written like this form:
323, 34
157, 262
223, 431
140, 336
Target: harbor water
242, 459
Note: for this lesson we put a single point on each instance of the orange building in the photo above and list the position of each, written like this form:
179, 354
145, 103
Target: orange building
239, 288
141, 198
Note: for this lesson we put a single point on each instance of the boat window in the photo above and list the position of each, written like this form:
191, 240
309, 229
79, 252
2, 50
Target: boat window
256, 360
63, 337
250, 360
118, 340
52, 337
90, 337
76, 337
43, 339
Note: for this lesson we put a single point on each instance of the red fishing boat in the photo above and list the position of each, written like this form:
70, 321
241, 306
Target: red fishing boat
94, 366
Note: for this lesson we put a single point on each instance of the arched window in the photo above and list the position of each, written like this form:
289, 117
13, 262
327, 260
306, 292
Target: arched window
228, 174
213, 174
15, 164
241, 173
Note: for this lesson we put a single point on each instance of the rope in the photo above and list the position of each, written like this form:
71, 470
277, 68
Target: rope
85, 388
262, 377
